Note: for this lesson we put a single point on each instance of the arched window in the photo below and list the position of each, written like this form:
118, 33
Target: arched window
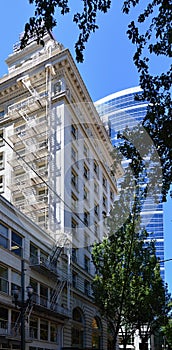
77, 329
96, 333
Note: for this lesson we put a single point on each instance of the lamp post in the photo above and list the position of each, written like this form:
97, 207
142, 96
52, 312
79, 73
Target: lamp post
22, 303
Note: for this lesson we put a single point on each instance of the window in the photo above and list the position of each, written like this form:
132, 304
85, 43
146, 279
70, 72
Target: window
74, 154
1, 184
85, 150
43, 144
3, 236
74, 179
19, 199
4, 279
96, 187
96, 333
16, 243
57, 87
1, 161
74, 201
43, 329
86, 241
74, 255
77, 340
3, 319
43, 295
86, 218
96, 228
86, 171
34, 285
74, 131
21, 151
42, 191
104, 181
104, 200
86, 193
2, 113
34, 328
74, 226
87, 287
33, 254
86, 263
96, 209
96, 168
43, 257
74, 279
111, 195
53, 332
42, 219
1, 138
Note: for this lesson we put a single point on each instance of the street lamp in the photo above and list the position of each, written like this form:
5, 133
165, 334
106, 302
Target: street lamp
22, 303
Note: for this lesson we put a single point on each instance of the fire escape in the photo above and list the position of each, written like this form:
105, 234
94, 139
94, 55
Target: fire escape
30, 157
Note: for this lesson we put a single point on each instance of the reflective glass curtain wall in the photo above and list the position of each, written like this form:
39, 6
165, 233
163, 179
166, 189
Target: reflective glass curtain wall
117, 111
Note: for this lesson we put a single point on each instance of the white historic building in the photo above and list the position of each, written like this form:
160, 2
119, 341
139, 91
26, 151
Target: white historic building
56, 188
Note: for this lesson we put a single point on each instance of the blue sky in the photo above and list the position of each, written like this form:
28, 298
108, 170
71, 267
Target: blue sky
107, 68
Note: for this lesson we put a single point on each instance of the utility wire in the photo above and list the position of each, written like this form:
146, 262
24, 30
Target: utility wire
51, 189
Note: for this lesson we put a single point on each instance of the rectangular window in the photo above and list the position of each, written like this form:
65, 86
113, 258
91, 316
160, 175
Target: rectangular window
53, 332
1, 161
104, 181
74, 179
1, 138
3, 320
74, 131
85, 150
2, 113
111, 195
4, 279
74, 201
96, 209
86, 218
16, 243
43, 295
74, 279
96, 228
74, 154
19, 199
74, 255
86, 241
86, 263
104, 201
1, 184
86, 171
96, 168
86, 193
34, 285
86, 287
33, 254
43, 330
3, 236
74, 226
96, 187
34, 328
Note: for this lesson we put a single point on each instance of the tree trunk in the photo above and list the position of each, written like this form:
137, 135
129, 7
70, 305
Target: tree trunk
115, 344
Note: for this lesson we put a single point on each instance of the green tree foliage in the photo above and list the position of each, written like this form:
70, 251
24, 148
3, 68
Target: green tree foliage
127, 287
151, 34
155, 40
167, 333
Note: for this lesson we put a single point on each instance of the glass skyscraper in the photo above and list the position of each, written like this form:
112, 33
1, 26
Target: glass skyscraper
118, 111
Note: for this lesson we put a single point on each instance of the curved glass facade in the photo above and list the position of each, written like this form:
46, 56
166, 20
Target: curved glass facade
118, 111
